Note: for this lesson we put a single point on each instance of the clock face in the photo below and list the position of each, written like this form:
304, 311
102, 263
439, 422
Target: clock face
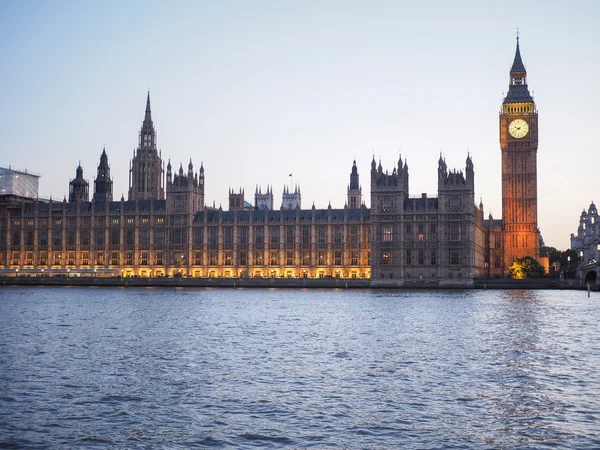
518, 128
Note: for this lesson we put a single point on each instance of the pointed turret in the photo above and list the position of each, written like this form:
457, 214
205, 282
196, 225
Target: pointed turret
354, 189
103, 185
78, 187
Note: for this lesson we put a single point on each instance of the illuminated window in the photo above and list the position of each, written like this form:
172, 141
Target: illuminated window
386, 232
258, 258
274, 259
212, 258
386, 258
321, 258
289, 258
306, 258
114, 259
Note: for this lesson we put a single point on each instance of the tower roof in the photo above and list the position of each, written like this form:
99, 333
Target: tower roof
518, 90
518, 66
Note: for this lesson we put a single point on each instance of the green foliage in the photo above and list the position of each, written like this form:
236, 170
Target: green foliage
560, 257
526, 267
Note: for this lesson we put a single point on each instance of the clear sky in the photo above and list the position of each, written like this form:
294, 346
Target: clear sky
257, 90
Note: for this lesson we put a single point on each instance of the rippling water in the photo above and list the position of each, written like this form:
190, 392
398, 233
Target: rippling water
299, 368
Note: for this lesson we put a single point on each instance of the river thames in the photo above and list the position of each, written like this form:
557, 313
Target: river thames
242, 368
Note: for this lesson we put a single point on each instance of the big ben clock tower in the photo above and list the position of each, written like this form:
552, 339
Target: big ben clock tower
519, 143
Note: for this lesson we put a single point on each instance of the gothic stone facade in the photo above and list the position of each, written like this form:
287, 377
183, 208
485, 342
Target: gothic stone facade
433, 240
165, 229
148, 238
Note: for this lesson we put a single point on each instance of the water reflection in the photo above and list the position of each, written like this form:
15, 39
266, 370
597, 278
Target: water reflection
523, 406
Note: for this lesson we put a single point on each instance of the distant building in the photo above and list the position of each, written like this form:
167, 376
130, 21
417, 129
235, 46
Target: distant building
18, 183
291, 199
263, 201
587, 240
587, 245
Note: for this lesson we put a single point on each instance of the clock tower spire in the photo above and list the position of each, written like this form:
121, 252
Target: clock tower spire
519, 143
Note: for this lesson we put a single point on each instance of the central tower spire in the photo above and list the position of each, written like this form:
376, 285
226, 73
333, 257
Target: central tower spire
148, 117
146, 173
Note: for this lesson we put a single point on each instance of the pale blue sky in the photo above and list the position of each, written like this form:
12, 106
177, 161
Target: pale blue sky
257, 90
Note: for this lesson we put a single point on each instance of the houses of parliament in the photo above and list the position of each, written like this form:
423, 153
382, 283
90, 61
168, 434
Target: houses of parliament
164, 227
